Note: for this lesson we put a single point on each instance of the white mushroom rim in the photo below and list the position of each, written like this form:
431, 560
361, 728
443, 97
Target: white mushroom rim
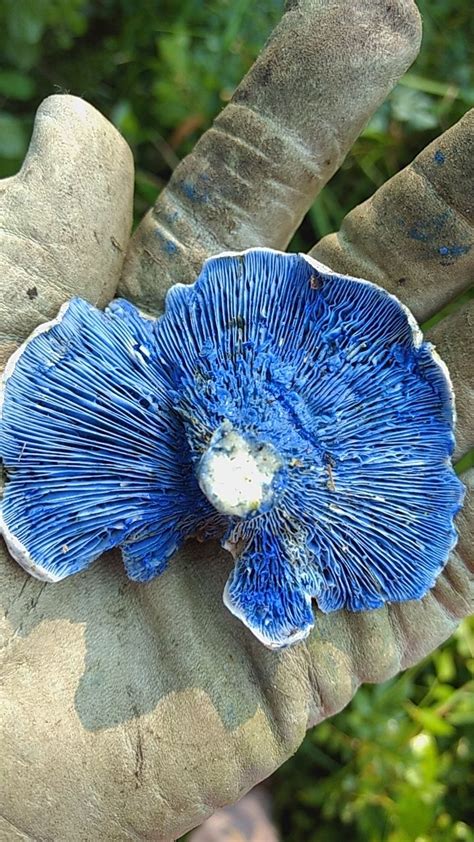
296, 637
15, 547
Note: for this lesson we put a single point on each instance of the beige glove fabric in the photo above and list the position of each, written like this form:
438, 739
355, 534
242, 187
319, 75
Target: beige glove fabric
131, 712
290, 124
65, 218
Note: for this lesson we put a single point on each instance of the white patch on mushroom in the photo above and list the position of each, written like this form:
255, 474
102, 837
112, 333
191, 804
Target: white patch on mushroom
235, 474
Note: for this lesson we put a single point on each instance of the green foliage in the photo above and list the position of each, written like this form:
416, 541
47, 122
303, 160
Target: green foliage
24, 24
162, 70
159, 70
395, 766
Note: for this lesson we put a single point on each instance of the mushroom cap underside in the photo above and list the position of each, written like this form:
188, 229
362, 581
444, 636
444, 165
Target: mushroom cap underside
295, 413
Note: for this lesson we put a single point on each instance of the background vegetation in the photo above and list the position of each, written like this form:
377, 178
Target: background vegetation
397, 764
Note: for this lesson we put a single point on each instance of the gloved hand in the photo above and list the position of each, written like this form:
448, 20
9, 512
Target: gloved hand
131, 712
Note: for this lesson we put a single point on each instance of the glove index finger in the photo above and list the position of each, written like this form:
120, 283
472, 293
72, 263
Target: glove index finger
287, 129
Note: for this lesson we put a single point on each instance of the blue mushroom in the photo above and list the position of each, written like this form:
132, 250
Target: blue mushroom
294, 413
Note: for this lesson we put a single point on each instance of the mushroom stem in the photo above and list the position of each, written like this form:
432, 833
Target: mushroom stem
236, 474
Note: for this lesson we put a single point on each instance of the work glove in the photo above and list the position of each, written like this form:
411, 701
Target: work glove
132, 711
